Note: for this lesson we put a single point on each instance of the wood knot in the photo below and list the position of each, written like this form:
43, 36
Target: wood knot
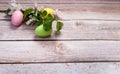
60, 49
77, 25
59, 46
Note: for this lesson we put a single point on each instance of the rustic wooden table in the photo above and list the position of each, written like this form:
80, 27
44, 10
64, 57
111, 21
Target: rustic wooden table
89, 42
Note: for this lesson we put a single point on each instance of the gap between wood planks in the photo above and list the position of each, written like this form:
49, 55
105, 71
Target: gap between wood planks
64, 40
72, 62
8, 19
65, 1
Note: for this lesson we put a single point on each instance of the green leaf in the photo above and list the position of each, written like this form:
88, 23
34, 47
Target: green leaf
50, 17
44, 13
59, 26
47, 25
7, 11
37, 16
38, 22
27, 12
36, 11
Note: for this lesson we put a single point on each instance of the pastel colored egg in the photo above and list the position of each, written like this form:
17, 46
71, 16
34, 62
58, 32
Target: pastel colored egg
39, 31
17, 18
49, 11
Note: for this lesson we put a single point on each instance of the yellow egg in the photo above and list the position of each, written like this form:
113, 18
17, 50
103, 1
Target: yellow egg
49, 11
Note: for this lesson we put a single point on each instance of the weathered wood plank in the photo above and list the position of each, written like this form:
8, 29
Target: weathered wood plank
64, 1
72, 30
64, 68
59, 51
80, 11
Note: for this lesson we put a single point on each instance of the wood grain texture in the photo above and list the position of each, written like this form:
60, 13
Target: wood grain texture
64, 68
64, 1
84, 21
58, 51
72, 30
79, 11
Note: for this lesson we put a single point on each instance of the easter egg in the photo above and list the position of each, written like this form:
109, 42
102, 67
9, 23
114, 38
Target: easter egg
49, 11
17, 18
39, 31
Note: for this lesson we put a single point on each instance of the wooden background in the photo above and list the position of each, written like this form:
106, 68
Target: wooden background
89, 42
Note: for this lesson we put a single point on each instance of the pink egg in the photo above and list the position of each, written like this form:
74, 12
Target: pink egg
17, 18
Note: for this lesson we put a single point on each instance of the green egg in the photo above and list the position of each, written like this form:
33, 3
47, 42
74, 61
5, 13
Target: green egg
39, 31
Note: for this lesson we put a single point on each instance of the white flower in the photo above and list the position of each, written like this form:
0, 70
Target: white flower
13, 6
